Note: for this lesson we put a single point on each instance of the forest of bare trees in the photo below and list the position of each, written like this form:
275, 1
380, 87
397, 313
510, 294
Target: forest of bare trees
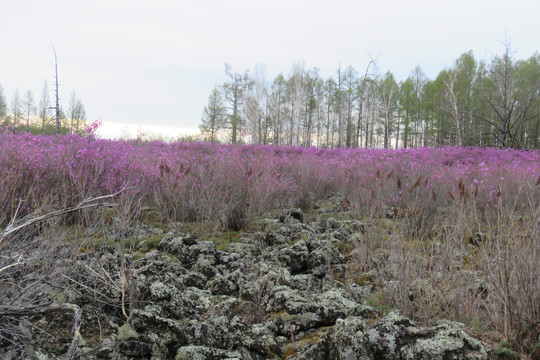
472, 103
24, 114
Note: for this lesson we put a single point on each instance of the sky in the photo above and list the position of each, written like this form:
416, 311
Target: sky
150, 65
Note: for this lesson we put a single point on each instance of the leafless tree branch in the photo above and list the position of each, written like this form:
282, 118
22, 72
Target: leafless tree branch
85, 204
16, 311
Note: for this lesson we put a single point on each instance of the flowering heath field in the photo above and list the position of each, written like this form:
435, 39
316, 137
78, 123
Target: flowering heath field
232, 185
452, 224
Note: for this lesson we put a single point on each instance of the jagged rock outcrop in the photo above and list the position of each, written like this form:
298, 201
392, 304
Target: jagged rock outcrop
272, 296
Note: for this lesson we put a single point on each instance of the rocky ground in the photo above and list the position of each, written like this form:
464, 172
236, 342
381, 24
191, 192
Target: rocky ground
280, 293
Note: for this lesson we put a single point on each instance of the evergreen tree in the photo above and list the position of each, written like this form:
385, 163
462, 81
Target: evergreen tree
213, 116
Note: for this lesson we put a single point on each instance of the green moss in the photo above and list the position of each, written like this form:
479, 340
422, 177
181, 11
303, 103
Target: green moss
378, 301
126, 332
304, 342
232, 236
99, 242
279, 314
223, 240
503, 352
304, 237
362, 279
314, 337
289, 351
152, 241
476, 325
108, 214
221, 245
344, 248
155, 218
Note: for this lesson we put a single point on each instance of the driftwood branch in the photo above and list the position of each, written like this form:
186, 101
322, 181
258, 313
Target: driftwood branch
85, 204
18, 262
15, 311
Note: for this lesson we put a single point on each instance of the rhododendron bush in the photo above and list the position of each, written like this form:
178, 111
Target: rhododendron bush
232, 185
445, 232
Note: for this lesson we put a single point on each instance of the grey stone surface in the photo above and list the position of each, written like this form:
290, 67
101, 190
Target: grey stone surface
272, 296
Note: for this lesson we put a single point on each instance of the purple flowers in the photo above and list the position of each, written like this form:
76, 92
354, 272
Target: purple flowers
209, 182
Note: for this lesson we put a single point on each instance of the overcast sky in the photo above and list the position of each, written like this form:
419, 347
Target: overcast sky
154, 63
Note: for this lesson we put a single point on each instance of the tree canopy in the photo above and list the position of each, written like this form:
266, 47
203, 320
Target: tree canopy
471, 103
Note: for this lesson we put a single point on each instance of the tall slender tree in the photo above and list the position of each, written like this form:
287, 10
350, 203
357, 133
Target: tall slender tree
388, 93
360, 95
407, 101
310, 105
331, 94
29, 107
350, 83
76, 112
58, 116
339, 107
256, 107
234, 90
470, 104
3, 104
511, 97
296, 96
16, 106
528, 74
465, 68
454, 105
278, 94
44, 106
213, 116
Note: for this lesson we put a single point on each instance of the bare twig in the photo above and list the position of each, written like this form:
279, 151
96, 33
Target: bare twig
85, 204
18, 262
14, 311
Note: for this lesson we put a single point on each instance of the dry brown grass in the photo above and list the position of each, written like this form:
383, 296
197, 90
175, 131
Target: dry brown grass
477, 266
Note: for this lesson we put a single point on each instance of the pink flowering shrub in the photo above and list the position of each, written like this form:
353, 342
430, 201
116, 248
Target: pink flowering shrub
457, 227
232, 185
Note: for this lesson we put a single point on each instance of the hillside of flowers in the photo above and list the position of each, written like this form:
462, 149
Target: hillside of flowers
234, 184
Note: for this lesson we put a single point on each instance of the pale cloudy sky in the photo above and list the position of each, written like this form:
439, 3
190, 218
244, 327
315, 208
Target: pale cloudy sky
153, 63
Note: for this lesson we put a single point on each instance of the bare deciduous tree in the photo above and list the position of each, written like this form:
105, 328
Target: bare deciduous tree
16, 105
44, 106
76, 112
3, 104
234, 91
29, 107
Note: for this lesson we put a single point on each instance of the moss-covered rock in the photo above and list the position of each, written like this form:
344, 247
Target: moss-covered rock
126, 332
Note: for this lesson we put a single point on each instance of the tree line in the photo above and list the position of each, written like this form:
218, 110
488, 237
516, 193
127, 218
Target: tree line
23, 114
472, 103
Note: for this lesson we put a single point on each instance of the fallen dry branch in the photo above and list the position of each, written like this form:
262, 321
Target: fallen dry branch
18, 262
13, 313
17, 311
85, 204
